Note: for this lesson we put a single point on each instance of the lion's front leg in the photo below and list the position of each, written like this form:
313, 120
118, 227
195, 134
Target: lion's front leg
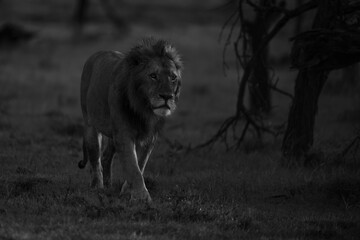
144, 153
125, 147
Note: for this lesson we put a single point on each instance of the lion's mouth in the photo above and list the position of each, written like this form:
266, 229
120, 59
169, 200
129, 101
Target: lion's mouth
162, 110
161, 106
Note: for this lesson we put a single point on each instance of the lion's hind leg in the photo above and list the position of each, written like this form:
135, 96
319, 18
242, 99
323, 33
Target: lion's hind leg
92, 144
82, 163
106, 160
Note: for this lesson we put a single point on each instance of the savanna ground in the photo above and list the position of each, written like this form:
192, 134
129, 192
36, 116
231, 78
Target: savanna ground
198, 194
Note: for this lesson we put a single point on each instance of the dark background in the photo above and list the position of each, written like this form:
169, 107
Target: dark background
198, 194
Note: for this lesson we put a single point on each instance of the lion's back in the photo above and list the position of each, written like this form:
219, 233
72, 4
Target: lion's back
95, 82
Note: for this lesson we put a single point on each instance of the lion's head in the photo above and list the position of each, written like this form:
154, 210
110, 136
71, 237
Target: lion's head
155, 68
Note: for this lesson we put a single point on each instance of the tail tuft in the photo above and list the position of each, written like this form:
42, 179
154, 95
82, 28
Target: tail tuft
82, 164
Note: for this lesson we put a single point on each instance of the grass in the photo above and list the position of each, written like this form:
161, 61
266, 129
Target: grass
254, 198
200, 194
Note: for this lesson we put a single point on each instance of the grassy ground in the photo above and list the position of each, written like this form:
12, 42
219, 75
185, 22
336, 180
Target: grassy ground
198, 194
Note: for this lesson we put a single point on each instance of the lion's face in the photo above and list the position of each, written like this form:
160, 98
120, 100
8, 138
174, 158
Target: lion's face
154, 74
161, 86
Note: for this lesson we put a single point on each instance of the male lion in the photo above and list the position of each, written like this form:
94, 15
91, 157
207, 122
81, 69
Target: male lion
125, 99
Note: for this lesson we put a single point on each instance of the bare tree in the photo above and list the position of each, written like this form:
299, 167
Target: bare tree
238, 38
333, 43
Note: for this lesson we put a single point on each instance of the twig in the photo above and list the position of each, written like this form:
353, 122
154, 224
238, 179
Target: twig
220, 133
243, 134
228, 41
225, 24
347, 149
276, 89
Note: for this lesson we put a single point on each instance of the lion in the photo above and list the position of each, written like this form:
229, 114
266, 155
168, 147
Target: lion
125, 99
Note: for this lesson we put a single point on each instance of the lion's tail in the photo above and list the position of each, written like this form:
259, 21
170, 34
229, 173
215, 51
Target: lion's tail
82, 163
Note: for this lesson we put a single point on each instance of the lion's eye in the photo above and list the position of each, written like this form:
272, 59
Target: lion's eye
173, 77
153, 76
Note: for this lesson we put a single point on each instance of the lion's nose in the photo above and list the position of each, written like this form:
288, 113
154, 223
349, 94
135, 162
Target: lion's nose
166, 96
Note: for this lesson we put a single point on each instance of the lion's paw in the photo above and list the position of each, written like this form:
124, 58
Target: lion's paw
96, 183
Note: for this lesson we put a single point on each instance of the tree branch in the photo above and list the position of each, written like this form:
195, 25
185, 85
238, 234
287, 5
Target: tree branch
248, 66
280, 24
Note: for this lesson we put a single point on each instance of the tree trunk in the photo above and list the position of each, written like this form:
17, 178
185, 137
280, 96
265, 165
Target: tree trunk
299, 20
299, 137
259, 85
